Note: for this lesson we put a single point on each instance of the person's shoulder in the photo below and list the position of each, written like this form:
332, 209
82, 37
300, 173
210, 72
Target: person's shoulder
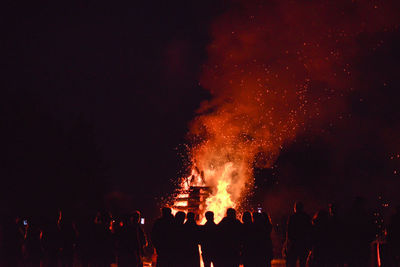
223, 221
209, 225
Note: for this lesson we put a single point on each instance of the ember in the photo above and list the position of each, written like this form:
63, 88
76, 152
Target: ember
273, 70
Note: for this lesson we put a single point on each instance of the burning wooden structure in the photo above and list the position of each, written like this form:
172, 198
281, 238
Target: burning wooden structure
193, 194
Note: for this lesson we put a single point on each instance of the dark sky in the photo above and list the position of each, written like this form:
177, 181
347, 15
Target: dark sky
104, 87
97, 97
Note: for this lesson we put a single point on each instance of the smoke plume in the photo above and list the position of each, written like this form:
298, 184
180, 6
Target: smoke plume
274, 69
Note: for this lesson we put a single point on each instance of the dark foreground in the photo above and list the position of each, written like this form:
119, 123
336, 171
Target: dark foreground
173, 240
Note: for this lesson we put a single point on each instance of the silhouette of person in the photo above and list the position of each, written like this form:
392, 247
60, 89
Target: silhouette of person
32, 244
262, 240
85, 240
208, 240
142, 240
249, 240
230, 239
190, 256
67, 238
102, 240
131, 240
51, 241
162, 238
361, 232
124, 239
336, 237
178, 237
297, 236
12, 237
320, 240
393, 238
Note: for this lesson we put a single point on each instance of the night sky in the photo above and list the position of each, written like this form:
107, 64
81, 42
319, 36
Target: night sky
96, 100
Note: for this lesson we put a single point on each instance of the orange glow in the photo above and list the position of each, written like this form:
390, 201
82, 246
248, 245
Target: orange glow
273, 70
219, 202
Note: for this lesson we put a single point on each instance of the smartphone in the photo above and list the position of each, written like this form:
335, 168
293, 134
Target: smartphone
141, 220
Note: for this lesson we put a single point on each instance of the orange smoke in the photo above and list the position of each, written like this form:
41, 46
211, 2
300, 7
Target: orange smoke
273, 68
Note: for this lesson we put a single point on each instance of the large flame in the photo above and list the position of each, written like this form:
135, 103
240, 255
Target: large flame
273, 67
222, 197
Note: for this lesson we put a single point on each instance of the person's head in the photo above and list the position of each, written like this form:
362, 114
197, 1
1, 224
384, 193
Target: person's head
231, 213
191, 217
298, 207
180, 217
135, 217
209, 216
166, 212
246, 218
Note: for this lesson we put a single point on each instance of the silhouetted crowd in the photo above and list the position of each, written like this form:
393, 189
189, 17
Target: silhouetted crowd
324, 240
228, 243
63, 242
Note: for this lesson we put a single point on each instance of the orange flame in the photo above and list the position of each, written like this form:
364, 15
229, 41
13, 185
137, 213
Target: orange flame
219, 202
273, 67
